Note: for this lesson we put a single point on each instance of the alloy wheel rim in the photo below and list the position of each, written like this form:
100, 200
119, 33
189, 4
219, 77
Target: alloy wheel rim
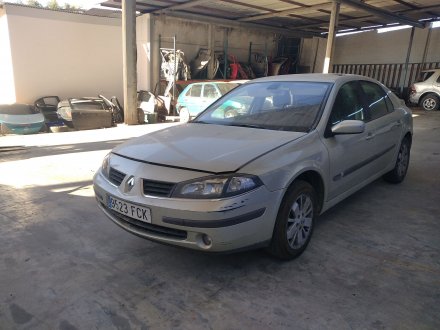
403, 158
299, 221
429, 104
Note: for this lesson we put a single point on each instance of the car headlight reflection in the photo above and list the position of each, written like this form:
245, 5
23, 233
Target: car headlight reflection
217, 186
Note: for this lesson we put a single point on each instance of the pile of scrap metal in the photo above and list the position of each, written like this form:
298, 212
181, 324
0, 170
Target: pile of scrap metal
80, 113
204, 66
90, 112
152, 108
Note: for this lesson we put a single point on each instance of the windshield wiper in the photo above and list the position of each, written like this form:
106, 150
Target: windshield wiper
246, 125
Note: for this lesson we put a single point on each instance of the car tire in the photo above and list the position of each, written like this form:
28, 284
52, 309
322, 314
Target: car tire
295, 221
430, 102
398, 173
184, 115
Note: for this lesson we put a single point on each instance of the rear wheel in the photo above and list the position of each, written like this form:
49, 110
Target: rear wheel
294, 225
398, 173
430, 102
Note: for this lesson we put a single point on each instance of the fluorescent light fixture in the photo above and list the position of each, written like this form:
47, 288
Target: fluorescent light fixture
352, 32
394, 28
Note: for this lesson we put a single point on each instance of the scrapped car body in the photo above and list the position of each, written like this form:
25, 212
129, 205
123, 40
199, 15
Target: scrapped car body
47, 106
197, 96
20, 119
151, 106
89, 112
426, 92
301, 144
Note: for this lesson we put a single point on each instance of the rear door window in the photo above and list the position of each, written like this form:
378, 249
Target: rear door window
376, 99
210, 92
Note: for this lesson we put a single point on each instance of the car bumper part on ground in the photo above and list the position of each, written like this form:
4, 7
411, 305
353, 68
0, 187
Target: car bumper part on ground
218, 225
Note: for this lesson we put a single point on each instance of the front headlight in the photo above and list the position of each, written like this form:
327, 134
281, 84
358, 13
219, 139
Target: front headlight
218, 186
105, 167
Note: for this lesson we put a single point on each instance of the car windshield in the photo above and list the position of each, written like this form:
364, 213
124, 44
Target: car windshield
286, 106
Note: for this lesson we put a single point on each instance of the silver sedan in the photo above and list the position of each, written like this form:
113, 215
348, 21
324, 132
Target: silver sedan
298, 145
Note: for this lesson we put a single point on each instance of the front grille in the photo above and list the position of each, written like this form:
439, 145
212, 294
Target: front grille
148, 227
157, 188
115, 176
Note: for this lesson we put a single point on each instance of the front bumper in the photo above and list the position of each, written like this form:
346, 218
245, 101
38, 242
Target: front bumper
230, 224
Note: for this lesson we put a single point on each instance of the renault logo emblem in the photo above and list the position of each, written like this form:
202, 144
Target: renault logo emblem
130, 183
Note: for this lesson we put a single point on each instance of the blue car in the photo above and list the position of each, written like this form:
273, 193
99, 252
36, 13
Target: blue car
197, 96
20, 119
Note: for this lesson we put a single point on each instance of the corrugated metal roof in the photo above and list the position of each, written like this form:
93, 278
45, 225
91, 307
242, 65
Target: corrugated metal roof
309, 16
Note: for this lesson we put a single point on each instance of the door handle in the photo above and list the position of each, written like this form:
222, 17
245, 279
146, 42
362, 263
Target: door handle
370, 136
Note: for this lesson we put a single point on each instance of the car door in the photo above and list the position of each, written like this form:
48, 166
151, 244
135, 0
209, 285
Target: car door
349, 154
191, 100
90, 114
384, 126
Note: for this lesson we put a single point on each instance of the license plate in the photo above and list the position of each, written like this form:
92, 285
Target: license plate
130, 210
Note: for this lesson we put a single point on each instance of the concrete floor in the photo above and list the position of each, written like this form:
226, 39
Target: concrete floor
373, 263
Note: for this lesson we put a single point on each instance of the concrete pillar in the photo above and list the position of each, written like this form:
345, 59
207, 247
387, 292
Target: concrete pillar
331, 37
129, 61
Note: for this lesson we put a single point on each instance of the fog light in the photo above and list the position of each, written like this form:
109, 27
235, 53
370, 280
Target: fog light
206, 240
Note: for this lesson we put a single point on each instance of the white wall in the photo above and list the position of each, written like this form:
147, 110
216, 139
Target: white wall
373, 48
7, 90
383, 48
64, 54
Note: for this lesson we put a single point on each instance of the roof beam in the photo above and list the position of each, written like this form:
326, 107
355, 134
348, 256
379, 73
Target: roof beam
184, 5
382, 13
233, 23
364, 18
287, 12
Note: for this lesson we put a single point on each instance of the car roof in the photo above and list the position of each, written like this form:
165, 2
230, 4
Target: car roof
313, 77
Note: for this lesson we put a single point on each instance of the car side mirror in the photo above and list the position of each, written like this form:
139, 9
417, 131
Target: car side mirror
348, 127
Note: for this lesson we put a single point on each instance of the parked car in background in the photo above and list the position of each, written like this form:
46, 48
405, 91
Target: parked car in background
426, 92
47, 106
20, 119
90, 112
197, 97
262, 177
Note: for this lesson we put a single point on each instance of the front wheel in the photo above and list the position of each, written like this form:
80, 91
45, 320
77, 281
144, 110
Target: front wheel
430, 102
184, 115
398, 173
294, 225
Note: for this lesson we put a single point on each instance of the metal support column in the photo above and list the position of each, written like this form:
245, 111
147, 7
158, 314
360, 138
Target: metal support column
129, 61
408, 54
328, 61
425, 51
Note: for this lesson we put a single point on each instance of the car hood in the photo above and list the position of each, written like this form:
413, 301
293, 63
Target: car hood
205, 147
36, 118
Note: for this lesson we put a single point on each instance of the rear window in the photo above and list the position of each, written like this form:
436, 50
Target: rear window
224, 88
17, 109
425, 76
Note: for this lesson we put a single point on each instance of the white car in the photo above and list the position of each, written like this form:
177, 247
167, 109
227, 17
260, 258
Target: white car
426, 92
259, 178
